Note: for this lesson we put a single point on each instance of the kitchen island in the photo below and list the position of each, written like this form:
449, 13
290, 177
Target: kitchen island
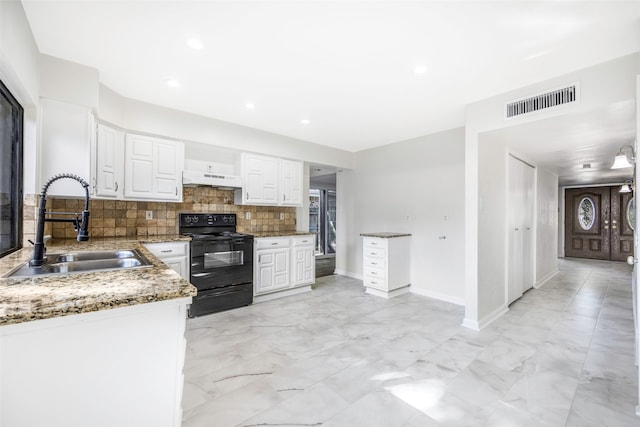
103, 348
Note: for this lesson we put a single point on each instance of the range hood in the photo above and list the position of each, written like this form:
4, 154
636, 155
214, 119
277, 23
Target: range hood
196, 178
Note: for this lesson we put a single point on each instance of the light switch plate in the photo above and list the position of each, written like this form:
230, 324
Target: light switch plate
149, 215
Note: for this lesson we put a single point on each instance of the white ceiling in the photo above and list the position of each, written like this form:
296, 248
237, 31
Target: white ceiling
346, 66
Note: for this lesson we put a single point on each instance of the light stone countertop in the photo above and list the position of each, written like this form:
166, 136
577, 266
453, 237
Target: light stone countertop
25, 299
263, 234
385, 235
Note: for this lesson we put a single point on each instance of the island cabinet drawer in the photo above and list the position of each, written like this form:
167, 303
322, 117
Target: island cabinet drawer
376, 283
303, 240
375, 243
272, 243
374, 253
373, 272
375, 262
168, 249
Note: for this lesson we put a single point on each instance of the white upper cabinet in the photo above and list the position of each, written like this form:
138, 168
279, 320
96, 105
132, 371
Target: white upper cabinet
108, 176
153, 168
291, 183
269, 181
259, 180
66, 132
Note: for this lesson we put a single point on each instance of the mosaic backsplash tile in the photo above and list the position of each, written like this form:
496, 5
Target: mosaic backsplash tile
110, 218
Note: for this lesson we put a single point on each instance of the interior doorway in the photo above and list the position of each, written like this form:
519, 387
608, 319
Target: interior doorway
599, 223
322, 221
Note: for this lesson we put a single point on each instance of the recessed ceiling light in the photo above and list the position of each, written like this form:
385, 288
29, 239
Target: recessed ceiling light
420, 69
195, 44
173, 83
250, 106
304, 121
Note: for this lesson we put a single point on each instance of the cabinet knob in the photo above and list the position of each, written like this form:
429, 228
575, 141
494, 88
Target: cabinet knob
274, 244
166, 251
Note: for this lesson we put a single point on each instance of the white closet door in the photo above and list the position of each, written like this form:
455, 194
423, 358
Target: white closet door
515, 200
528, 207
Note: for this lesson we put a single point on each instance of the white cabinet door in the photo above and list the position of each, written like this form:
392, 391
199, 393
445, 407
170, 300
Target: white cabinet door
304, 265
259, 180
109, 162
66, 132
174, 254
272, 270
291, 183
303, 260
153, 168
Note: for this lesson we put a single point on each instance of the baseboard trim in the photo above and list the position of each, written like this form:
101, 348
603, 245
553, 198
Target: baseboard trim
477, 325
387, 295
545, 279
348, 274
280, 294
437, 295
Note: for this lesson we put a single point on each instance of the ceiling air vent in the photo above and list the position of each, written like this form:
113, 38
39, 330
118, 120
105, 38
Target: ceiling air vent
542, 101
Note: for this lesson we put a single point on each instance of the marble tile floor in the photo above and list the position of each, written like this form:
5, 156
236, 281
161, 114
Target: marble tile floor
335, 357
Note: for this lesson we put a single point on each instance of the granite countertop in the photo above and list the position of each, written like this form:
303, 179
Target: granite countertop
261, 234
25, 299
385, 235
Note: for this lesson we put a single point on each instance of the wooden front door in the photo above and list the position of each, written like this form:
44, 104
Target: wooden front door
621, 226
597, 224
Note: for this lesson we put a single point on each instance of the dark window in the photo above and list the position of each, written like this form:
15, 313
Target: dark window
11, 114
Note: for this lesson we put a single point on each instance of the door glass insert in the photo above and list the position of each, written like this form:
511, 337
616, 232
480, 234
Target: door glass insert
223, 259
631, 213
586, 213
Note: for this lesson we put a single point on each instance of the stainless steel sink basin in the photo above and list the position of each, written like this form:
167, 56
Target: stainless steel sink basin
96, 255
84, 262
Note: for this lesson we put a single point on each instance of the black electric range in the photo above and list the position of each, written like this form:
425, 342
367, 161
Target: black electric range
221, 262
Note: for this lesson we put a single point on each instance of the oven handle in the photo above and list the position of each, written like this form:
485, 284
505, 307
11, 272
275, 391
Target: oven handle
218, 294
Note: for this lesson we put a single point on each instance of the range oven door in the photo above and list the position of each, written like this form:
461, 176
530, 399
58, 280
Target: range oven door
221, 262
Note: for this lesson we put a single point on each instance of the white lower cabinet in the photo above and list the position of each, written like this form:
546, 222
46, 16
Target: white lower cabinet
174, 254
119, 367
304, 260
283, 264
386, 268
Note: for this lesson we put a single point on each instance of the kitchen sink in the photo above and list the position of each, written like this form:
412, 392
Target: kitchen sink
96, 255
84, 262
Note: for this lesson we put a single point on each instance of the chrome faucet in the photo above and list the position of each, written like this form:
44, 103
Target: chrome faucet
81, 225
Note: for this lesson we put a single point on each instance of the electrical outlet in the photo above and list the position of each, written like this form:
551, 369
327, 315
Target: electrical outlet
149, 215
247, 215
281, 215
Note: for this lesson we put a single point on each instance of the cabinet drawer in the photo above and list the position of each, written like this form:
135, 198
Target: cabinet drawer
280, 242
168, 249
375, 262
375, 243
303, 241
375, 253
376, 283
374, 272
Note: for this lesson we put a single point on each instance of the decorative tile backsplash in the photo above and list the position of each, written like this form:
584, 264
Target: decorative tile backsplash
111, 218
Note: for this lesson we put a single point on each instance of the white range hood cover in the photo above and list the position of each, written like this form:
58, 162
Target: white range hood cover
195, 178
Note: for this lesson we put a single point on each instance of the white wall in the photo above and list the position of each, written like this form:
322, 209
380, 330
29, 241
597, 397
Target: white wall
19, 62
68, 82
600, 85
147, 118
413, 186
547, 210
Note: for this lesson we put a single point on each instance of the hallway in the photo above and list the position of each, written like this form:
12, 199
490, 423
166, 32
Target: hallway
562, 356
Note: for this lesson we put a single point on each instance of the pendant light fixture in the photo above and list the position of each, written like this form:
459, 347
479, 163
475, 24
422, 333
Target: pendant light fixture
627, 187
622, 160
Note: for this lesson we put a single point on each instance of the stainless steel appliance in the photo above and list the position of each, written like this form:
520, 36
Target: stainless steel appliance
221, 262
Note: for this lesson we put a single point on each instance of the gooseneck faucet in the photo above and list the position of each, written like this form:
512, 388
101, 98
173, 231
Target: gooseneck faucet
81, 225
